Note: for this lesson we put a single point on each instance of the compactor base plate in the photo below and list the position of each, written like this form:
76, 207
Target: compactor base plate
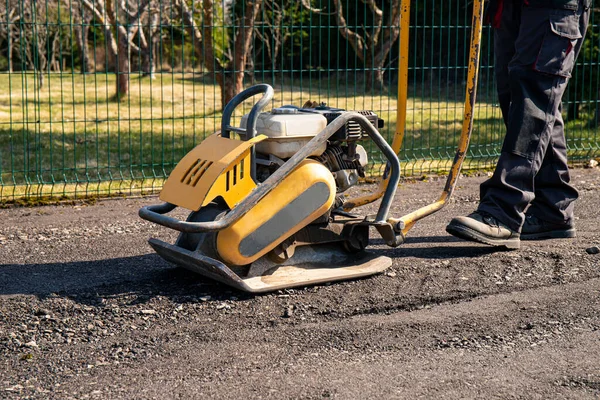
309, 266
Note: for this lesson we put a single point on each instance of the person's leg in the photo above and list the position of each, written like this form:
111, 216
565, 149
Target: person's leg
550, 214
485, 228
505, 36
535, 99
538, 73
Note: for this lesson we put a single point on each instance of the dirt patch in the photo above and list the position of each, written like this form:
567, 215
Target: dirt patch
88, 311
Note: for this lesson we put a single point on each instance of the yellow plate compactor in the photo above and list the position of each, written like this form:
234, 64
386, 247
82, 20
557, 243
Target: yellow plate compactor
267, 212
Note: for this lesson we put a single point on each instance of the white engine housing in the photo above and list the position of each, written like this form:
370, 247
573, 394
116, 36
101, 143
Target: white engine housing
288, 130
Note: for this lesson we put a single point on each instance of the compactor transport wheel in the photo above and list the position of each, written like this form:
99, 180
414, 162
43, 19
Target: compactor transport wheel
359, 239
205, 242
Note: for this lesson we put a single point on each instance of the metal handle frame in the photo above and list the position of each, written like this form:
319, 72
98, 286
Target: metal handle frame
250, 130
405, 223
238, 99
155, 213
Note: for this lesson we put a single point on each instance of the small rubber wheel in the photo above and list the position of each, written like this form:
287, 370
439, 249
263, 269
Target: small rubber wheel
359, 240
206, 242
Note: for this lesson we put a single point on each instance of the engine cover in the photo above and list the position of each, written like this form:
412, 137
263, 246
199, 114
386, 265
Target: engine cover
304, 195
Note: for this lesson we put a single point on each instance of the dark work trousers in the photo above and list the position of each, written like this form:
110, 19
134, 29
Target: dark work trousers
535, 49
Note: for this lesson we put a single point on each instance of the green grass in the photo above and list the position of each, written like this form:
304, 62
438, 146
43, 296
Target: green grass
70, 138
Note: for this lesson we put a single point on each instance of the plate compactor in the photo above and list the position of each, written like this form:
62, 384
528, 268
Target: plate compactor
268, 210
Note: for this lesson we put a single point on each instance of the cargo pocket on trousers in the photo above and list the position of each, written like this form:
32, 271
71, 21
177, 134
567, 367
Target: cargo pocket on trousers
557, 52
556, 4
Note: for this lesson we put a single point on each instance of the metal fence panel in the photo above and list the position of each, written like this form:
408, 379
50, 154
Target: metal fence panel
99, 97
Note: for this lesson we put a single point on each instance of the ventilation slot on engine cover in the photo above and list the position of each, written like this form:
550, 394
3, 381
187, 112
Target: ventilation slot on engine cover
233, 176
195, 172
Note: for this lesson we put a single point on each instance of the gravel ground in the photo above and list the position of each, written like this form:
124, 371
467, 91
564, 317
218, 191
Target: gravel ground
88, 311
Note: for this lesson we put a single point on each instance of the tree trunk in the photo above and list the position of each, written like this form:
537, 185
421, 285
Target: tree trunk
112, 51
378, 59
250, 71
373, 76
148, 62
122, 66
242, 46
231, 83
53, 61
231, 75
10, 51
190, 25
81, 36
148, 56
40, 63
86, 63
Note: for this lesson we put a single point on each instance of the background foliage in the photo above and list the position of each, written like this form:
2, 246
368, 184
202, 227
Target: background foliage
104, 97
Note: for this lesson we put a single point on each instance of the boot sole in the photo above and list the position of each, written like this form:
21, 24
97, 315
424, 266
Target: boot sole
466, 233
558, 234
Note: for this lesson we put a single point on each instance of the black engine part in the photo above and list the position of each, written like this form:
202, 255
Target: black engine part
338, 158
352, 130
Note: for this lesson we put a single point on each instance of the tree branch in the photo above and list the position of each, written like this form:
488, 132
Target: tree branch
356, 41
377, 22
210, 61
244, 35
106, 23
187, 17
389, 35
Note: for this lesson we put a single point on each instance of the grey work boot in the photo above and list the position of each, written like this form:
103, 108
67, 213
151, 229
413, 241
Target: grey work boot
535, 228
484, 228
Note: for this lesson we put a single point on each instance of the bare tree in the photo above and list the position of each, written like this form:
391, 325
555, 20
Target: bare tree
82, 18
120, 26
39, 37
374, 44
189, 24
276, 32
228, 65
9, 28
149, 38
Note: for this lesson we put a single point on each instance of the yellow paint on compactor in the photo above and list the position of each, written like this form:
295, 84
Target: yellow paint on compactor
216, 167
305, 176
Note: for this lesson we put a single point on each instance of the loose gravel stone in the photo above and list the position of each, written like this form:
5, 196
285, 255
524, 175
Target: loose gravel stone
593, 250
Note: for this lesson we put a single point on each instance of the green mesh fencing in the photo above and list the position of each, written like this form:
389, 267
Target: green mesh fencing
103, 97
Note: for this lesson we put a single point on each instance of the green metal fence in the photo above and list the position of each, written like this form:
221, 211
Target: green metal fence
99, 97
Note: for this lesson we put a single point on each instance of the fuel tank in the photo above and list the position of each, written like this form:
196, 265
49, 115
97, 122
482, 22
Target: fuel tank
287, 131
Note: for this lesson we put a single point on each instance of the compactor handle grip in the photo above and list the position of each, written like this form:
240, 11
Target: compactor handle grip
256, 109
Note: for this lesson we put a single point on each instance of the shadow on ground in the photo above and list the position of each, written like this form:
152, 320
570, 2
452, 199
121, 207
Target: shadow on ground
149, 275
137, 275
468, 250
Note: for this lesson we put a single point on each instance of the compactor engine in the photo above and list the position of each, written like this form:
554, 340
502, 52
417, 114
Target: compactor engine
290, 128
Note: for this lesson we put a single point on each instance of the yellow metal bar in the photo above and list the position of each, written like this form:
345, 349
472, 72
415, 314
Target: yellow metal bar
467, 127
401, 106
402, 76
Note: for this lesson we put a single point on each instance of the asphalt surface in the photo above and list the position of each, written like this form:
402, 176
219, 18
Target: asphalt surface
88, 311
